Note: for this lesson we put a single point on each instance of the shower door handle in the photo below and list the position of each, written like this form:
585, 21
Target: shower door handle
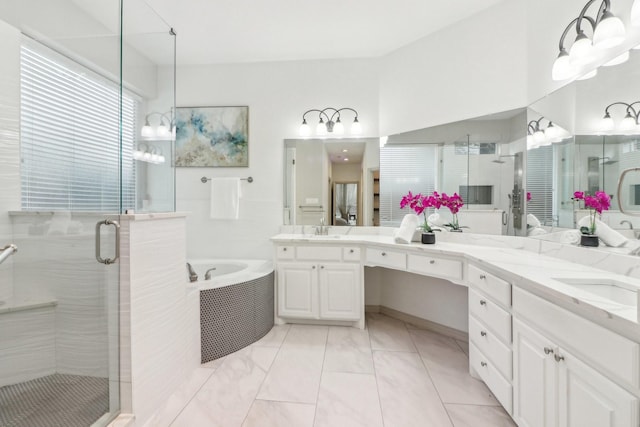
107, 261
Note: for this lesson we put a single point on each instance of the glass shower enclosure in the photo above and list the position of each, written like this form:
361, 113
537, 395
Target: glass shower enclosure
78, 80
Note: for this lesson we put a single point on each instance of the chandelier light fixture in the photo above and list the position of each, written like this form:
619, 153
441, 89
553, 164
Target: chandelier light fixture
607, 32
165, 129
329, 122
540, 136
629, 123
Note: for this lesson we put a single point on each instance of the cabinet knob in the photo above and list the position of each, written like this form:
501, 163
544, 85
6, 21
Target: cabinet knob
350, 251
483, 333
433, 261
314, 267
322, 266
384, 254
482, 276
284, 249
558, 357
483, 302
548, 350
483, 364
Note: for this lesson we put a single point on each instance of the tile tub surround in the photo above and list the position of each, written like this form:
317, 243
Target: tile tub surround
521, 261
386, 386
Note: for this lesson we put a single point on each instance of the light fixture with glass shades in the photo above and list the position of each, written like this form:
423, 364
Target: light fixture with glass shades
145, 153
329, 122
540, 136
628, 125
164, 129
607, 31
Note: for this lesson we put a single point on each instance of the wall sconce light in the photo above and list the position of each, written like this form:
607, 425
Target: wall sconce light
164, 130
332, 124
144, 153
628, 124
539, 136
608, 31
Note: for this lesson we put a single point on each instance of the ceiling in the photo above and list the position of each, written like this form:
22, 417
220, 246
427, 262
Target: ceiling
236, 31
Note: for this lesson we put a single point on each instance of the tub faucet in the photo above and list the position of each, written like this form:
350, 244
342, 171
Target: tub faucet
207, 275
193, 277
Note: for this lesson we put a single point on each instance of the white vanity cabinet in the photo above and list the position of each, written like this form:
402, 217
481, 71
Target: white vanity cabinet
319, 283
490, 355
554, 386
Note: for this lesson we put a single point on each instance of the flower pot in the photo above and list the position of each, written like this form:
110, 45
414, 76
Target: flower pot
589, 240
428, 238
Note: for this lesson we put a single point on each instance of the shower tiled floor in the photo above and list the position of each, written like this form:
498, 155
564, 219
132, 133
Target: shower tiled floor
390, 374
54, 401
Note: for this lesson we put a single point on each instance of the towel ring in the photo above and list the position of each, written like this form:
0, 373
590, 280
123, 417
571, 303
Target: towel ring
204, 179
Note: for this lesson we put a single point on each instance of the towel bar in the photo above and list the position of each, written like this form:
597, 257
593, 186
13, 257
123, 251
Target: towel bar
204, 179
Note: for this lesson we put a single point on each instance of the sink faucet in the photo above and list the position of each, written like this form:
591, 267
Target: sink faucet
321, 229
207, 275
193, 277
624, 221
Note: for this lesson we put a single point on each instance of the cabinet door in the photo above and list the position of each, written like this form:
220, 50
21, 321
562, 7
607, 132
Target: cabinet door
340, 291
298, 290
588, 399
534, 378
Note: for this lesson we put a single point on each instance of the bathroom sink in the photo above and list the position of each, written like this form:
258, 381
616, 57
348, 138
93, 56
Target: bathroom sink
321, 236
612, 290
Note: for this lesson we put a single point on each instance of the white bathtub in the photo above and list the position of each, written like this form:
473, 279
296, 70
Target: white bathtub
229, 271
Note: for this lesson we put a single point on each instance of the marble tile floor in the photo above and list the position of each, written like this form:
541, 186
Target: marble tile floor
391, 374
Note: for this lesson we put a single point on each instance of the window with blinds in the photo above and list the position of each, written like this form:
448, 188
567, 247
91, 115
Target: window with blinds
69, 134
540, 183
404, 169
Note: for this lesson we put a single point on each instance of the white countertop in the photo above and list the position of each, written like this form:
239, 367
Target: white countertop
521, 262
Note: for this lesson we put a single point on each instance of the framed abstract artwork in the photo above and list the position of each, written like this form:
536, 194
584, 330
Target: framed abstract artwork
212, 136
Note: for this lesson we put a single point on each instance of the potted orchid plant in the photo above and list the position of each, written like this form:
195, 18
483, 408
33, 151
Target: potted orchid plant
596, 203
454, 203
420, 203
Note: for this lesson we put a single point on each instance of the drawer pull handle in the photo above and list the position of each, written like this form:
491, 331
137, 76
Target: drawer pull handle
432, 262
483, 302
350, 251
483, 364
483, 276
548, 350
483, 333
558, 357
384, 254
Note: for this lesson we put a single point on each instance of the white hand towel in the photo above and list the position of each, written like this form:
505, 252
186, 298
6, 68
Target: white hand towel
225, 198
434, 219
533, 221
608, 235
404, 234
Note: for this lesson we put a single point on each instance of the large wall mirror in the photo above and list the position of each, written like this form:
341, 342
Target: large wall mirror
593, 156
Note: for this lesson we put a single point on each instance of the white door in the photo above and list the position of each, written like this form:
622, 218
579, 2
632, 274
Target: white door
534, 378
588, 399
298, 290
340, 291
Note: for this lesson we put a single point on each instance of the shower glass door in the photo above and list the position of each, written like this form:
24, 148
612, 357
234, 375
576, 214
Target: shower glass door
61, 142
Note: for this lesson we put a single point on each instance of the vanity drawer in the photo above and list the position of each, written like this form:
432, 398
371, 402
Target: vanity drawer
351, 254
386, 258
500, 387
435, 266
588, 341
320, 253
491, 314
495, 287
489, 344
285, 252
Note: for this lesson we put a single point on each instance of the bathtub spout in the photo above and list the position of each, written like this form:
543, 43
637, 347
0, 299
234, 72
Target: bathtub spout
193, 277
207, 275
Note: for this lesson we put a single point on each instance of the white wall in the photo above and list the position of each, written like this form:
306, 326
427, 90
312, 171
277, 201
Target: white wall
277, 95
475, 67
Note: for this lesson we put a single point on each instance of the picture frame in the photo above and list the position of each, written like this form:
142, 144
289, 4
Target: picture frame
212, 136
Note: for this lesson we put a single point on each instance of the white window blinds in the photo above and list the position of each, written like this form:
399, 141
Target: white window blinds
70, 136
404, 169
540, 183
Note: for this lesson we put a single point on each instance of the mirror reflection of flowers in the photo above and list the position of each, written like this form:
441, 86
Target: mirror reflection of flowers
600, 201
454, 203
528, 196
420, 203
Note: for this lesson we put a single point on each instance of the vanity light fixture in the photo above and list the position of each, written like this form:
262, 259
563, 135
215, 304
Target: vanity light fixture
164, 130
608, 31
332, 125
539, 136
629, 122
144, 153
